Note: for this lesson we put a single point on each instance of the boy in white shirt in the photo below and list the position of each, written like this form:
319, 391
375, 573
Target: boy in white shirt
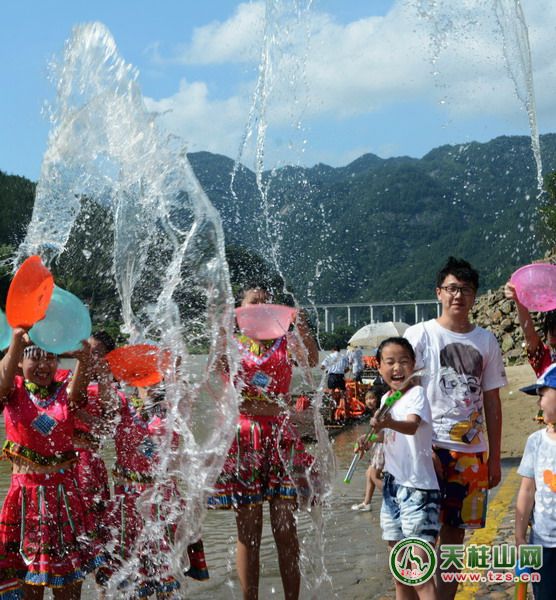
537, 494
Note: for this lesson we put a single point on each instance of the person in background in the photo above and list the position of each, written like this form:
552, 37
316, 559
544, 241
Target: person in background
537, 493
355, 361
336, 365
373, 475
139, 434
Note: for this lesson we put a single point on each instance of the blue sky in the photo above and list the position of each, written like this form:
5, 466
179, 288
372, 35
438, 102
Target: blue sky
383, 76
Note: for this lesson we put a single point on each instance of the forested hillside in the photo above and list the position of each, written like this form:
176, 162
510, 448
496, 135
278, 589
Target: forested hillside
381, 228
376, 229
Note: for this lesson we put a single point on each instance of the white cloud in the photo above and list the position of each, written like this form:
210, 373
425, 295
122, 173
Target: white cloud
359, 68
204, 124
236, 40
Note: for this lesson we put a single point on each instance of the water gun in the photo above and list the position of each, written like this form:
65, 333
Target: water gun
521, 586
381, 412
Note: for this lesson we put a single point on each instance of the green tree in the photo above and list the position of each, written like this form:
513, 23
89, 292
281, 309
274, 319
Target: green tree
339, 337
547, 212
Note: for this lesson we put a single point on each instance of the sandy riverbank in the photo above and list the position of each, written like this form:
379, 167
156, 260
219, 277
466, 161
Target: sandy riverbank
518, 411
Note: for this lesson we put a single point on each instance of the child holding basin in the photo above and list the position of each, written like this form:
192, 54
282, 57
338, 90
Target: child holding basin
45, 526
267, 460
139, 545
540, 354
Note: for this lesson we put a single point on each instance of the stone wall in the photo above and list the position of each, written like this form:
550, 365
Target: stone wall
497, 314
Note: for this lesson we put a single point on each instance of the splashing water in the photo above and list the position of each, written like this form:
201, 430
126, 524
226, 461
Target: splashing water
286, 31
516, 50
502, 20
517, 54
110, 172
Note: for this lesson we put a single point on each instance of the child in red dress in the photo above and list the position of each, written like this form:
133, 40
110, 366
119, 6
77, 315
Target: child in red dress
138, 437
45, 527
265, 458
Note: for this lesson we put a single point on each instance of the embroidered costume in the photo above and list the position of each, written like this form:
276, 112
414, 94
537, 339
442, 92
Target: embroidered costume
267, 458
541, 358
90, 471
44, 524
136, 442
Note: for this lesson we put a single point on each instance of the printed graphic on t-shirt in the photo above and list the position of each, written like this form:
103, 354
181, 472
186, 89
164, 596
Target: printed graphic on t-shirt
389, 436
550, 479
460, 386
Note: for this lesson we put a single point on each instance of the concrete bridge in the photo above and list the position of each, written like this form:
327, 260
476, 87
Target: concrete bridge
360, 313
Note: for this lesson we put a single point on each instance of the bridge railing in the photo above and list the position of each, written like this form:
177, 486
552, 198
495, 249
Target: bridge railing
331, 315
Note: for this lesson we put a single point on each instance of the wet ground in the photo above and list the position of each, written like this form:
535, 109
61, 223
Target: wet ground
355, 556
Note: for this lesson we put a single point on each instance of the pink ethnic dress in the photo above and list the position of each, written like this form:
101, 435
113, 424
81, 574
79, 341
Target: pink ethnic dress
45, 527
90, 470
137, 442
267, 458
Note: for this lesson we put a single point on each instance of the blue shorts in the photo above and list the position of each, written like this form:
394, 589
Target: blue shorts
408, 512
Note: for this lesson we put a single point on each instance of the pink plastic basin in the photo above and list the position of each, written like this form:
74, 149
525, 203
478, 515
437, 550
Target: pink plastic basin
536, 286
265, 321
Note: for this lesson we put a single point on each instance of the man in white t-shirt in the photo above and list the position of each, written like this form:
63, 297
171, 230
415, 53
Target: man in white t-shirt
464, 374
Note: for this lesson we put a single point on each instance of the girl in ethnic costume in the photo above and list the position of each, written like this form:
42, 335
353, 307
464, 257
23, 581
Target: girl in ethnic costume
266, 456
90, 428
138, 434
44, 524
93, 422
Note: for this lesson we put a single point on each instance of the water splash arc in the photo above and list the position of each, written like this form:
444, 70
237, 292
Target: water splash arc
164, 244
281, 74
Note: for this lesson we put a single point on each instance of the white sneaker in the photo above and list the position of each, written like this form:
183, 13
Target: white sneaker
361, 507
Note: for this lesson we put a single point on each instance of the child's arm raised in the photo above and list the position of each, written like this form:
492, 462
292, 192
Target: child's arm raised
302, 344
77, 389
10, 363
523, 508
530, 334
407, 427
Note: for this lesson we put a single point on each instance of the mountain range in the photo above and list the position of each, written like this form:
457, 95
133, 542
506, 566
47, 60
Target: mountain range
373, 230
379, 229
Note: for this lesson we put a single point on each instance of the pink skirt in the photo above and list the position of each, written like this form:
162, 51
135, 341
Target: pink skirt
45, 532
266, 460
92, 480
153, 575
